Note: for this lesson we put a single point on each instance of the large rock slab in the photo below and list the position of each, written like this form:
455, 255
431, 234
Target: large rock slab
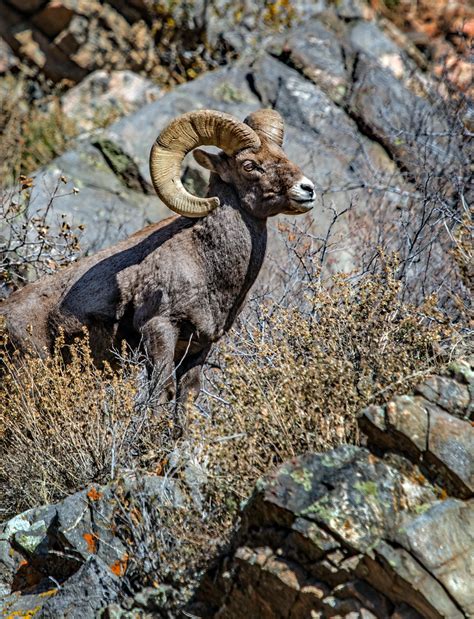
345, 534
433, 428
94, 196
107, 94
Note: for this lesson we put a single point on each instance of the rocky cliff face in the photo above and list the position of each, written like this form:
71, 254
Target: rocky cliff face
174, 42
381, 531
384, 530
170, 42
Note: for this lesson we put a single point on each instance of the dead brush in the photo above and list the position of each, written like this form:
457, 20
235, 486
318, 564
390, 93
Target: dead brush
290, 379
294, 375
63, 426
29, 245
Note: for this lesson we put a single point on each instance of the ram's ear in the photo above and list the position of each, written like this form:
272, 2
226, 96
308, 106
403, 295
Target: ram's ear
208, 160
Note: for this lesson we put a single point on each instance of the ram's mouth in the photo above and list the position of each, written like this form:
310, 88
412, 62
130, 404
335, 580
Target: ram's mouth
302, 206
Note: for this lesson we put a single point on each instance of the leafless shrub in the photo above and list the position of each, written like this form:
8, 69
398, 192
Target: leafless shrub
167, 544
289, 379
432, 150
295, 376
29, 245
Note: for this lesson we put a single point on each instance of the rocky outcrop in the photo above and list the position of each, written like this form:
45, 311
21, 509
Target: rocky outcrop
432, 428
106, 95
442, 29
69, 559
175, 42
383, 531
169, 42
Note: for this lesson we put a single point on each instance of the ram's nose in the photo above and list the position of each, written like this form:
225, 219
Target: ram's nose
308, 187
303, 193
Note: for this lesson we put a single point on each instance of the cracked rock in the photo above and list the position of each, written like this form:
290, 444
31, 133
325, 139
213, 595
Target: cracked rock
431, 428
67, 559
341, 533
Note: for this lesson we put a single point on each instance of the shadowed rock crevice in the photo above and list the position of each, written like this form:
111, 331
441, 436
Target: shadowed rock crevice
122, 165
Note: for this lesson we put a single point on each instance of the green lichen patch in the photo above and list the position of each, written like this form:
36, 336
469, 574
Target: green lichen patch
368, 488
303, 477
228, 93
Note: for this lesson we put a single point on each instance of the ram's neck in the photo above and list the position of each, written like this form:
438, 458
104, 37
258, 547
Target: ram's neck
232, 244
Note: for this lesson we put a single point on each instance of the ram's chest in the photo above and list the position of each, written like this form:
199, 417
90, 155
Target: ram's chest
231, 273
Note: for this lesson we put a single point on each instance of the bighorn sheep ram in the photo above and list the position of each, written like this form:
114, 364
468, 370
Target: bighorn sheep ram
175, 287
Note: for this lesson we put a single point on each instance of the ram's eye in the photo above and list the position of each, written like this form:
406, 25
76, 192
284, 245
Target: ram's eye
249, 165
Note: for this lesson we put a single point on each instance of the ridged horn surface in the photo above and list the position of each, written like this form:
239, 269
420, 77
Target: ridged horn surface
182, 135
269, 122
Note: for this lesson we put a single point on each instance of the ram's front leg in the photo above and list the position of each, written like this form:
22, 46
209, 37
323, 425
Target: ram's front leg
159, 338
188, 377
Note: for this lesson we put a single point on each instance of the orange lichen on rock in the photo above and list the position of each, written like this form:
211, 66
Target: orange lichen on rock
94, 494
23, 614
120, 566
91, 542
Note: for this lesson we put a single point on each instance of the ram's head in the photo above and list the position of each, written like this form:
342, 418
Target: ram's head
252, 162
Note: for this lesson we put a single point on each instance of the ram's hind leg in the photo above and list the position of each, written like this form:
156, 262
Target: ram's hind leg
159, 338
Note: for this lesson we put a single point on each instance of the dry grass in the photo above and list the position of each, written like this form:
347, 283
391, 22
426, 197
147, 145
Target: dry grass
32, 131
63, 426
289, 379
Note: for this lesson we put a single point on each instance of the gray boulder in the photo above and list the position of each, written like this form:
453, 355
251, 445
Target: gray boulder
107, 94
69, 559
345, 534
433, 428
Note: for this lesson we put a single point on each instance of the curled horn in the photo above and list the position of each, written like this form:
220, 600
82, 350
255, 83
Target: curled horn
269, 122
201, 128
